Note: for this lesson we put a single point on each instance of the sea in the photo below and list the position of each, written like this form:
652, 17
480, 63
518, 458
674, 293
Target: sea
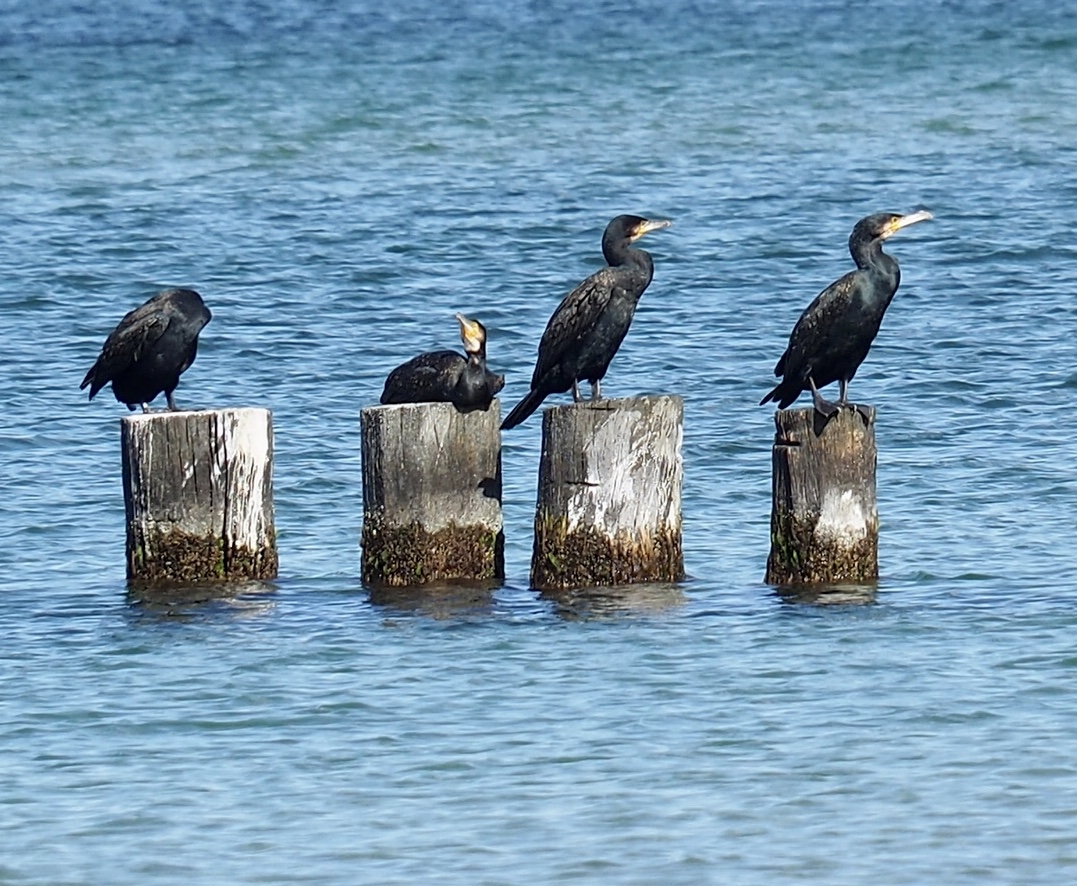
338, 179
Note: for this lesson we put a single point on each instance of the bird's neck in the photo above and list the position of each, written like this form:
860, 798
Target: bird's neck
869, 257
628, 260
869, 254
619, 252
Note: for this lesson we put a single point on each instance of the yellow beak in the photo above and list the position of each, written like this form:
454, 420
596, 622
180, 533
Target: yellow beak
905, 220
650, 225
471, 333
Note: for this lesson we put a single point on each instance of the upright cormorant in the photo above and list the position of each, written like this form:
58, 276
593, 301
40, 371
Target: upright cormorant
150, 349
835, 332
446, 376
591, 322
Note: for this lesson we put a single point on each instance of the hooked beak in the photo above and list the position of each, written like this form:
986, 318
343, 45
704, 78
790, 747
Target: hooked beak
471, 333
649, 225
905, 220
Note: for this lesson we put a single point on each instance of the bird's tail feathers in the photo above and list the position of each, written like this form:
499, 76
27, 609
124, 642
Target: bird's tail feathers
783, 394
91, 380
523, 409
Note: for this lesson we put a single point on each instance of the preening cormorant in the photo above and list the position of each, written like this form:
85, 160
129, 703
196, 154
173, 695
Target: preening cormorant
446, 376
591, 322
150, 349
835, 332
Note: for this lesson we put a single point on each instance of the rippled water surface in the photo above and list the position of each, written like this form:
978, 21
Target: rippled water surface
337, 180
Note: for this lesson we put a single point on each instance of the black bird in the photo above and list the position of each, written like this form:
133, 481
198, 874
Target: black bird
835, 332
150, 349
589, 325
446, 376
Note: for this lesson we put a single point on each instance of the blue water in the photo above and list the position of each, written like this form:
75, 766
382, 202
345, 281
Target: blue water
337, 179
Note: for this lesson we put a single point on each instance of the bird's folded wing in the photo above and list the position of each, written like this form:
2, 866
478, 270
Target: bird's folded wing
127, 341
818, 322
574, 319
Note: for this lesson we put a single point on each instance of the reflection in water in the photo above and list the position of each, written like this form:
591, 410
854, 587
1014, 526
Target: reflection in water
830, 594
438, 600
246, 599
582, 604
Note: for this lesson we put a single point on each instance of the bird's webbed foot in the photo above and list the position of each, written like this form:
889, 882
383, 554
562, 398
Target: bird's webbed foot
844, 402
823, 406
828, 409
866, 412
172, 407
576, 396
596, 389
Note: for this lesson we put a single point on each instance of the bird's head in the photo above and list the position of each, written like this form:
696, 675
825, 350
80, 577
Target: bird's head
883, 225
632, 227
625, 230
472, 333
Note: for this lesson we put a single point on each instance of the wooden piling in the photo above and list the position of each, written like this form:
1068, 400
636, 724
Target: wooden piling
824, 526
431, 494
609, 494
198, 491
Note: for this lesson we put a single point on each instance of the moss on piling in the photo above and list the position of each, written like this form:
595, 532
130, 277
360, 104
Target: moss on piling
179, 557
241, 562
585, 557
410, 555
798, 556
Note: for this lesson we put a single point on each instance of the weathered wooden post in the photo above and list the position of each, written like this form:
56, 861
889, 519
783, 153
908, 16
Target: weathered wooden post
431, 494
824, 526
609, 494
198, 491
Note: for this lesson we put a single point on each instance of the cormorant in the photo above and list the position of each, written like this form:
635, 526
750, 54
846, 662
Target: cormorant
447, 377
150, 349
835, 332
591, 322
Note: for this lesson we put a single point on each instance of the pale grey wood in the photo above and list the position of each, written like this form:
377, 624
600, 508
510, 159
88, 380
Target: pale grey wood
824, 517
609, 494
198, 490
431, 494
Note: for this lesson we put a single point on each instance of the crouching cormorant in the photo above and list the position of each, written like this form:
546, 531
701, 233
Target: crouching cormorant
591, 322
835, 332
446, 376
150, 349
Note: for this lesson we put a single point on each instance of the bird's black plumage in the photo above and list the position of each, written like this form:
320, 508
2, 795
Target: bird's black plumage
150, 349
446, 376
589, 325
835, 332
